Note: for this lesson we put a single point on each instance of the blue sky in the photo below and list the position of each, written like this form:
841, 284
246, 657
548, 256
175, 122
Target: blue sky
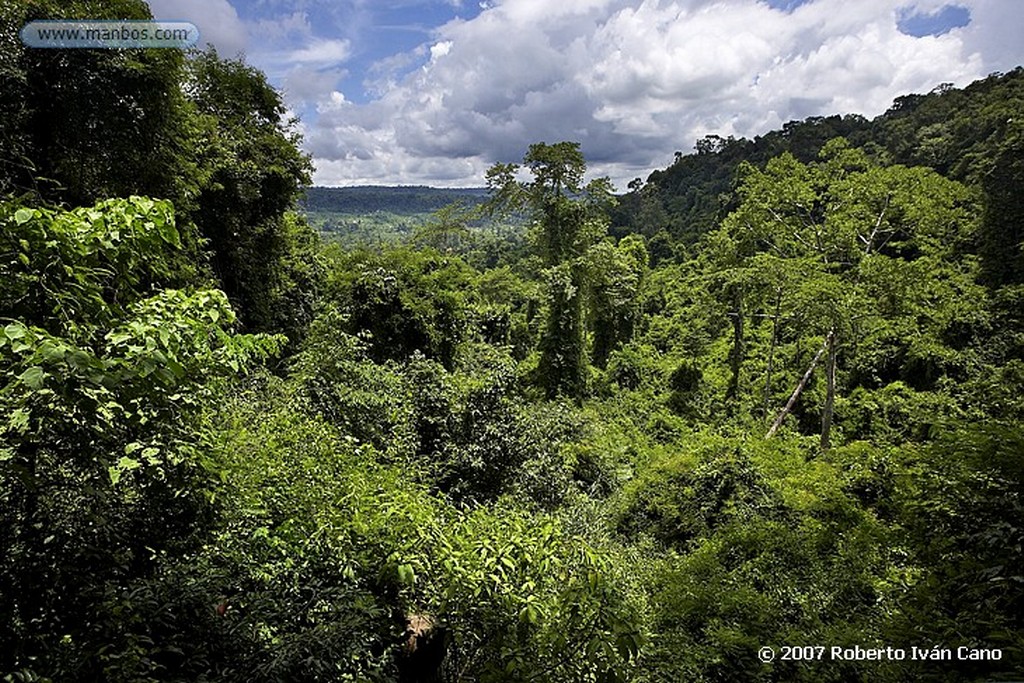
375, 32
937, 23
435, 91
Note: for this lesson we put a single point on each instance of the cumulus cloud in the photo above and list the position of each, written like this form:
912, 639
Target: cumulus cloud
307, 68
218, 22
306, 84
995, 31
635, 80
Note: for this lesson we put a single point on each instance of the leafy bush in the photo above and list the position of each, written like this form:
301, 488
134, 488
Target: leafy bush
106, 387
960, 502
760, 548
324, 555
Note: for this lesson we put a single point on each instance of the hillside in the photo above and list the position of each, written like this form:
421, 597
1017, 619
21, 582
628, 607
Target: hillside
971, 135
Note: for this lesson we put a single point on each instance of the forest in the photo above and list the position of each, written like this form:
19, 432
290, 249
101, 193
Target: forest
374, 216
408, 200
767, 401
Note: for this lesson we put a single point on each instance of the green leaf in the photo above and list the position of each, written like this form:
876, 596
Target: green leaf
15, 331
528, 615
80, 360
33, 377
51, 352
19, 420
406, 574
126, 463
23, 215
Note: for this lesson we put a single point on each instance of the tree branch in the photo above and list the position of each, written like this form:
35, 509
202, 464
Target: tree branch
796, 392
878, 224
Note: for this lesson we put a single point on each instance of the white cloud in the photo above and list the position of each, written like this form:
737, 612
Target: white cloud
304, 66
294, 26
995, 32
321, 52
635, 80
307, 84
438, 50
217, 20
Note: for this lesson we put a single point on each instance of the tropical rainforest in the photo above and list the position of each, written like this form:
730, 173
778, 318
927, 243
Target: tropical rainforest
770, 397
372, 216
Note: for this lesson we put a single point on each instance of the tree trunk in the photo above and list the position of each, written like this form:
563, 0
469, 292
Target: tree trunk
830, 392
737, 352
771, 351
796, 392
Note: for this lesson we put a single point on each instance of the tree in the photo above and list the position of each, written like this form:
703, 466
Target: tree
251, 175
563, 361
568, 217
1001, 236
806, 244
210, 135
448, 227
403, 302
84, 125
105, 377
615, 278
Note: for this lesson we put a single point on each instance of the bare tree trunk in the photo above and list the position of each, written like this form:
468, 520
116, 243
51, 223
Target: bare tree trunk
830, 392
796, 392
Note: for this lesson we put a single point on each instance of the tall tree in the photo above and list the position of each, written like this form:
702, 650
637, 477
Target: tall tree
808, 243
615, 278
252, 174
210, 135
568, 217
82, 125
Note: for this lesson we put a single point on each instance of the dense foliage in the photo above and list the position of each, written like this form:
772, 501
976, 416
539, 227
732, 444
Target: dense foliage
207, 134
230, 452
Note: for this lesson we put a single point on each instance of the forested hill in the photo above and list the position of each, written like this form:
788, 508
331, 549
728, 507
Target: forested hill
403, 200
965, 134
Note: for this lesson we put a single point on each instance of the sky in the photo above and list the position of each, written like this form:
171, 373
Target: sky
433, 92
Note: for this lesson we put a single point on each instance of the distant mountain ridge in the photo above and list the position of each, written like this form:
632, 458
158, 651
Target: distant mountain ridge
406, 200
